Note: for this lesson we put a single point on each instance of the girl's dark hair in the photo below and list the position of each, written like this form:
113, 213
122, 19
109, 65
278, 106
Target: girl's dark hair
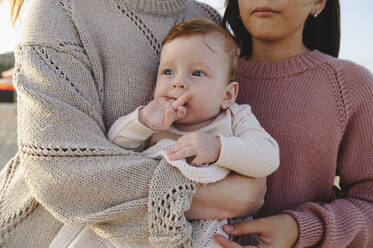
322, 33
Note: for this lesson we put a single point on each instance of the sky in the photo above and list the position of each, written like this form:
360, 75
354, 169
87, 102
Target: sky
356, 23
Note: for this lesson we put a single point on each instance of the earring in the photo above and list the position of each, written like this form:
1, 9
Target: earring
315, 13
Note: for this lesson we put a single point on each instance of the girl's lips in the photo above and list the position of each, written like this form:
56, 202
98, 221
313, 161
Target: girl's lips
264, 11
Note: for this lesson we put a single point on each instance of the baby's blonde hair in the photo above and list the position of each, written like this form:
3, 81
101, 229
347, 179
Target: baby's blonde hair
205, 26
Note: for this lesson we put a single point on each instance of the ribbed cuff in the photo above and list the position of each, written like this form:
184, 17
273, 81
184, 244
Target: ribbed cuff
142, 128
311, 228
133, 126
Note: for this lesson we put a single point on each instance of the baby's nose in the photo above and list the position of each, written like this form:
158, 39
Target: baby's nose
179, 84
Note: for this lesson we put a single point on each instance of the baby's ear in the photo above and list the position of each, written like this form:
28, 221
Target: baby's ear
231, 92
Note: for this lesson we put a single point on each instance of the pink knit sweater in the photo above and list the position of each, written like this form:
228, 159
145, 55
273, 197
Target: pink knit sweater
320, 110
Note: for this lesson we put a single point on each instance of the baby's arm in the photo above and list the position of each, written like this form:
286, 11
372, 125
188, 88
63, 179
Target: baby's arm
128, 132
251, 151
131, 131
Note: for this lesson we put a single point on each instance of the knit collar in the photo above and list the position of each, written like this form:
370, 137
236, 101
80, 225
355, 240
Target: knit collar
157, 7
282, 68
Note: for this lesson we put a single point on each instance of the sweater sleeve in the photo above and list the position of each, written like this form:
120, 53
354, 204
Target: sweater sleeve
347, 221
69, 166
251, 151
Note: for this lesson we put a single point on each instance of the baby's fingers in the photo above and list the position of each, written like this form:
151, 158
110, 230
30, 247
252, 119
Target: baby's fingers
180, 112
169, 117
197, 161
185, 152
181, 100
164, 103
180, 143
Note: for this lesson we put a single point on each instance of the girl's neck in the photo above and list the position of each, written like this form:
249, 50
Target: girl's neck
272, 50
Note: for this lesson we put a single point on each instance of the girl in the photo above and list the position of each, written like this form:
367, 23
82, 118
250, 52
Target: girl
79, 66
320, 110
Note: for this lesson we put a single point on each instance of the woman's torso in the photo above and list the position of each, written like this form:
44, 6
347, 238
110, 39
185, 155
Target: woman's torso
120, 44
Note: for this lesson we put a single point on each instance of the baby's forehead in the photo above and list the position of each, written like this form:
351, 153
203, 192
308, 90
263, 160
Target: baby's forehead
198, 46
215, 41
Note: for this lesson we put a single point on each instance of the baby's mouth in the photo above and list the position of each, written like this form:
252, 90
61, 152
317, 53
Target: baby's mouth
175, 98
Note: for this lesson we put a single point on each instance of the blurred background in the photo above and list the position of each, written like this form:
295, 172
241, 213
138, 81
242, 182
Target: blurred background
356, 45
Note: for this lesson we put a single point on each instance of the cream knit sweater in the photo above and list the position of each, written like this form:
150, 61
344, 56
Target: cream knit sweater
80, 66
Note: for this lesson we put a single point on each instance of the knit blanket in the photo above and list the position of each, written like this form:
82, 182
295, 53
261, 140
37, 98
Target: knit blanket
79, 236
162, 218
206, 174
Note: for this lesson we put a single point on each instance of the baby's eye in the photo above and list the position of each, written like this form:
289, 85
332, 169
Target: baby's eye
167, 72
198, 74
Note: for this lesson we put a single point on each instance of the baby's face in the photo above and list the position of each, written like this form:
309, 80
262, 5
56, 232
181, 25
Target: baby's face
196, 64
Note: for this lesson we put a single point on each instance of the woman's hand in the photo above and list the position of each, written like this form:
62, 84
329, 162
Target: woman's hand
278, 231
234, 196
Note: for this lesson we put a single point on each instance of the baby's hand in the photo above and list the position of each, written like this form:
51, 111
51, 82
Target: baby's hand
160, 113
204, 147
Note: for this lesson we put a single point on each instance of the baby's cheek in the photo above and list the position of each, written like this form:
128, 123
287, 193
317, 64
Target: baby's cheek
159, 92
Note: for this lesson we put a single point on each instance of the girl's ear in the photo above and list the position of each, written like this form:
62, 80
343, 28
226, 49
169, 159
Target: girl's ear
318, 7
231, 91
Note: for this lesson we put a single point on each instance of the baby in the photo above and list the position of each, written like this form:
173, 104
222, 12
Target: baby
194, 104
193, 121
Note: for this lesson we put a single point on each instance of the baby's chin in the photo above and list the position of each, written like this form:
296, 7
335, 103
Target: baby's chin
184, 121
189, 124
185, 124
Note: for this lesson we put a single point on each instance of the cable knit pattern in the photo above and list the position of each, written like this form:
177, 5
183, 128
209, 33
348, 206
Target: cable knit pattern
160, 7
211, 12
79, 66
320, 111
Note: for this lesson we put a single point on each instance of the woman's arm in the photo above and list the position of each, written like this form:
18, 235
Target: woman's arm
234, 196
69, 165
348, 221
